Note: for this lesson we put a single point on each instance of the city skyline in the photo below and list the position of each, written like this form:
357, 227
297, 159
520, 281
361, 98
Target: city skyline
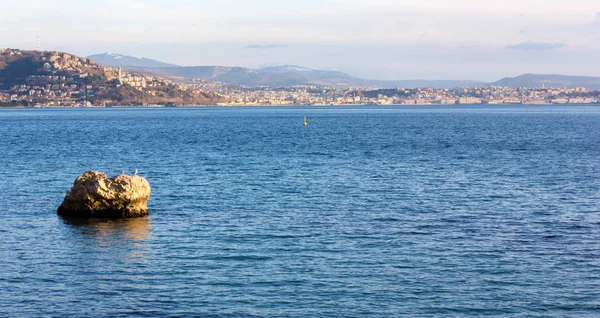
386, 39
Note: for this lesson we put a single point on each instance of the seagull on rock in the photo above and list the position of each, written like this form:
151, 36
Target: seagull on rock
122, 172
135, 172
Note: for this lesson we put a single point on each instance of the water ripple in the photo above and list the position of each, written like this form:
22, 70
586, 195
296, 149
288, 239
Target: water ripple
368, 212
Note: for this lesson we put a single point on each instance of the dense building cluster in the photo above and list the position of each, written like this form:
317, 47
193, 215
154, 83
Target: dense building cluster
311, 95
31, 78
481, 95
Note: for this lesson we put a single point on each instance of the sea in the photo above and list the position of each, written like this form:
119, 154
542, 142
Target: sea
453, 211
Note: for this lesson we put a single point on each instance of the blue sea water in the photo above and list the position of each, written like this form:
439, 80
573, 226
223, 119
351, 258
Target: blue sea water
367, 212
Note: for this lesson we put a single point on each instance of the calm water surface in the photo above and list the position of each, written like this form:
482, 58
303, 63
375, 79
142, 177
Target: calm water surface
367, 212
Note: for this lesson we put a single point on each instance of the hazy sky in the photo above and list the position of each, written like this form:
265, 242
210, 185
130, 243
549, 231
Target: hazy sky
384, 39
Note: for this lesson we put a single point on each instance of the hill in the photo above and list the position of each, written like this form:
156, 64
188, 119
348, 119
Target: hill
55, 78
262, 77
291, 75
250, 77
317, 77
550, 81
288, 76
116, 60
284, 75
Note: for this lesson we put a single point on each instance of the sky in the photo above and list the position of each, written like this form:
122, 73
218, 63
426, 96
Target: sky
377, 39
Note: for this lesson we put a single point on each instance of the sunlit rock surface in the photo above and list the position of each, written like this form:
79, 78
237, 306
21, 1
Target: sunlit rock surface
94, 195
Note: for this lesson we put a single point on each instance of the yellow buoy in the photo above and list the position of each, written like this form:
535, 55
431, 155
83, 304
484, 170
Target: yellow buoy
305, 123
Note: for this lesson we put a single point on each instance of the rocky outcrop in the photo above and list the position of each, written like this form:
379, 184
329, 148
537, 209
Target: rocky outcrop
94, 195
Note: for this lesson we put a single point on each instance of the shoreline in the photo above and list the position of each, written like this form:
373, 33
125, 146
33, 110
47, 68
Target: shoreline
287, 105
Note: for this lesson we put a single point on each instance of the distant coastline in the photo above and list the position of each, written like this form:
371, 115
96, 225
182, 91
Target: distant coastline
279, 106
57, 79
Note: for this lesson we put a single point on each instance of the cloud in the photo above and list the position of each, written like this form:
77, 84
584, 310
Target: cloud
597, 15
536, 46
264, 46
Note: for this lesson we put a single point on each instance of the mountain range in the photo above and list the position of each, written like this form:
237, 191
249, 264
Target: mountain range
290, 75
116, 60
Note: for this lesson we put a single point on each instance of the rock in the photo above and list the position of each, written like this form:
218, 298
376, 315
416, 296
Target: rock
94, 195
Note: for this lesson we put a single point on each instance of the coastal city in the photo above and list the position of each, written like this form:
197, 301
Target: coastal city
63, 91
322, 96
55, 79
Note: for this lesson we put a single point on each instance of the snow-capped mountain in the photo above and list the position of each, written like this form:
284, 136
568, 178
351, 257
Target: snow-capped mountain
116, 60
284, 75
